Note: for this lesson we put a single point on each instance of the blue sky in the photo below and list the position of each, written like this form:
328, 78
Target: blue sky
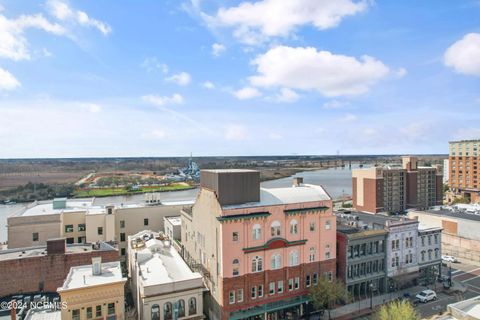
166, 78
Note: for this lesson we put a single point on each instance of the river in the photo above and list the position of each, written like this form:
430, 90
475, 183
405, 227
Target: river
337, 182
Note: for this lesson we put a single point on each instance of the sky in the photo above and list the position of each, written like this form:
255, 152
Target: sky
213, 77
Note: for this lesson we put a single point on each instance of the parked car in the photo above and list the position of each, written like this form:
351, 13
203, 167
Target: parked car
426, 295
446, 258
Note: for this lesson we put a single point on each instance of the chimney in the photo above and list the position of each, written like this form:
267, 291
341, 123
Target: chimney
297, 181
56, 246
97, 266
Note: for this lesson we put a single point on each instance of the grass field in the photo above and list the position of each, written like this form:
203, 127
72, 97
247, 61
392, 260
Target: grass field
106, 192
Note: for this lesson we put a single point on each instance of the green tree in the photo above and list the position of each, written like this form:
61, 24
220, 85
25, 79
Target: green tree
397, 310
326, 293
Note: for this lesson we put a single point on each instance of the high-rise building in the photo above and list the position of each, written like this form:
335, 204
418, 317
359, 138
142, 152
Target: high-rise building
463, 176
259, 249
397, 188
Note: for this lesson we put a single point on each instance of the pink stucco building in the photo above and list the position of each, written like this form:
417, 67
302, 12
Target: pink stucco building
259, 249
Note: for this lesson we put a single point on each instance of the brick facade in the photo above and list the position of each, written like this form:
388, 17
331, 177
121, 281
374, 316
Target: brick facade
247, 281
44, 272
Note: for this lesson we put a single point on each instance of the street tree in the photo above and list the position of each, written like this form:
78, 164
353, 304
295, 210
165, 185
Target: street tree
397, 310
326, 293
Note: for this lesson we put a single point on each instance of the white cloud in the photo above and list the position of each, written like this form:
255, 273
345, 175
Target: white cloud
236, 132
467, 133
181, 78
247, 93
464, 55
309, 69
62, 11
152, 64
13, 44
334, 104
158, 133
218, 49
401, 72
208, 85
92, 107
348, 117
275, 136
8, 81
255, 22
163, 100
287, 95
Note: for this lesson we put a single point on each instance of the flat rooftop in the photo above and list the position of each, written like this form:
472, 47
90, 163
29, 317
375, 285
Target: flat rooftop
28, 252
288, 195
83, 277
452, 214
176, 221
369, 219
43, 314
160, 263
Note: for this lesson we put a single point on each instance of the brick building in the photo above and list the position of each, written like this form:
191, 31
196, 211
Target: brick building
44, 268
463, 168
259, 249
397, 188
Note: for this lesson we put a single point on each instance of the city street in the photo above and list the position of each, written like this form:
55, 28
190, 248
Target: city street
465, 274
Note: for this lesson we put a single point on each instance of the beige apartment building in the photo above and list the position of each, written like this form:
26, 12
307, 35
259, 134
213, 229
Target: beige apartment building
84, 222
463, 168
95, 291
397, 188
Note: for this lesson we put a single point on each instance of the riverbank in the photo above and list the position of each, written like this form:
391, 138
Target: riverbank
268, 174
122, 191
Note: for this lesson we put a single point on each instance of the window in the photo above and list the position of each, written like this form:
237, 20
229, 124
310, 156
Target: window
311, 256
111, 308
290, 284
122, 251
327, 251
423, 240
98, 311
436, 253
271, 288
167, 311
430, 254
297, 283
312, 226
122, 224
254, 292
293, 227
260, 291
276, 261
235, 236
429, 240
181, 308
328, 275
328, 225
293, 258
257, 264
122, 237
231, 297
236, 264
240, 295
257, 232
436, 238
280, 286
81, 227
70, 240
315, 278
100, 231
76, 314
89, 313
423, 255
192, 306
275, 228
68, 228
308, 281
145, 222
35, 236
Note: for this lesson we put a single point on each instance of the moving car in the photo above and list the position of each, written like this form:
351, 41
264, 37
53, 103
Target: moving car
426, 295
446, 258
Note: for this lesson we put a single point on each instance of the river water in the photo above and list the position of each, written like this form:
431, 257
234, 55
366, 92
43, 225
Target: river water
337, 182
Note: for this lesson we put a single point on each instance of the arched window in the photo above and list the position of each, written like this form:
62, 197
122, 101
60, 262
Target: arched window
423, 255
311, 256
155, 312
257, 232
436, 253
293, 227
167, 311
275, 228
276, 261
430, 254
293, 258
257, 264
181, 307
192, 306
236, 265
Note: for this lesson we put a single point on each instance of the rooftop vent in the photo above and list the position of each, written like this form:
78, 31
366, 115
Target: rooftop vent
297, 181
59, 203
97, 266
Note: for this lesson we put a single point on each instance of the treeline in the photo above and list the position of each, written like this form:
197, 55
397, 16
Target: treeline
37, 191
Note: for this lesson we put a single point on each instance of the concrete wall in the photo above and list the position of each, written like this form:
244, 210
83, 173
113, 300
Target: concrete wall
21, 229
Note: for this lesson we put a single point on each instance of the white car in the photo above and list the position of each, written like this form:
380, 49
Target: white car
426, 295
449, 259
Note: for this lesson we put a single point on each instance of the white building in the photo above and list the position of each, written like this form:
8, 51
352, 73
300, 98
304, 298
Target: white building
446, 169
163, 286
173, 227
429, 253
